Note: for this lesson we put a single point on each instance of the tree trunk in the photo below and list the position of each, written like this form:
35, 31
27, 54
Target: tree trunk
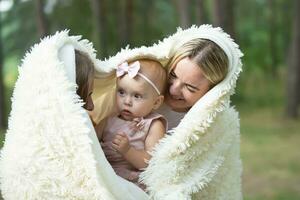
272, 39
147, 12
200, 12
293, 79
184, 13
121, 21
125, 20
2, 88
99, 14
223, 15
129, 20
42, 23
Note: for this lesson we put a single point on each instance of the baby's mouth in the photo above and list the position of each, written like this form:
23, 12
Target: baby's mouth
126, 112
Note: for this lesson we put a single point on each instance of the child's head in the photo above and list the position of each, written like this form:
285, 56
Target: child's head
140, 88
84, 78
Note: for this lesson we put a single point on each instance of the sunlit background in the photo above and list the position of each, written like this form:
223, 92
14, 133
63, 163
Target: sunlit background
267, 95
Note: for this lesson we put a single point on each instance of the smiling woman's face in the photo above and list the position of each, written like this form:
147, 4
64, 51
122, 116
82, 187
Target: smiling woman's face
187, 85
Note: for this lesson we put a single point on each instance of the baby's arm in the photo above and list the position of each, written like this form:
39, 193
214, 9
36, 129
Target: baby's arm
139, 158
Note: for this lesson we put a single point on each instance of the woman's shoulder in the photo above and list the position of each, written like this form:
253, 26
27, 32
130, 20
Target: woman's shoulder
157, 119
153, 116
173, 118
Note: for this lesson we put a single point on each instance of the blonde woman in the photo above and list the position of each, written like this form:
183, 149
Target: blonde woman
199, 157
194, 68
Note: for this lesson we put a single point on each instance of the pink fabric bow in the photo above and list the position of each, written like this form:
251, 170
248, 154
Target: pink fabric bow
132, 70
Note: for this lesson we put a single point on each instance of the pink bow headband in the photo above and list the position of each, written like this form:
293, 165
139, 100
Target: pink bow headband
132, 71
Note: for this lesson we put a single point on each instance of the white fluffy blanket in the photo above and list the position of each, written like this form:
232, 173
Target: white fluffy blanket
51, 150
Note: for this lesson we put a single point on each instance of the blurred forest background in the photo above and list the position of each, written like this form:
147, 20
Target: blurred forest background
267, 96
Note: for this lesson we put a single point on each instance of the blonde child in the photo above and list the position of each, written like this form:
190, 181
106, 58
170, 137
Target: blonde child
129, 136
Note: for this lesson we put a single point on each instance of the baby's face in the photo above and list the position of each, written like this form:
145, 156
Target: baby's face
135, 97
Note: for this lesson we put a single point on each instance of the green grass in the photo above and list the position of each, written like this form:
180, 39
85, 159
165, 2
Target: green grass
270, 154
269, 142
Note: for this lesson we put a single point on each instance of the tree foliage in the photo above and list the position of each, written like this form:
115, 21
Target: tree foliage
262, 28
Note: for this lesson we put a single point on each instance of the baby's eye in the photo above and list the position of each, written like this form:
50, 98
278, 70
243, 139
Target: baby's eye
121, 92
138, 96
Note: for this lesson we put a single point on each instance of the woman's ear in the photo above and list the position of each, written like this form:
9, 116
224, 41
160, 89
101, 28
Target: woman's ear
158, 102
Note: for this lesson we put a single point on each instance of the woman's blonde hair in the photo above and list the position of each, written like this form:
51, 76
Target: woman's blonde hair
206, 54
84, 73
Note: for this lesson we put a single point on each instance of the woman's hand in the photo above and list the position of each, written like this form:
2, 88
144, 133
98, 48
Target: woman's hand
121, 143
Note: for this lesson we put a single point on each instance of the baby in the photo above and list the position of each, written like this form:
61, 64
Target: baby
129, 136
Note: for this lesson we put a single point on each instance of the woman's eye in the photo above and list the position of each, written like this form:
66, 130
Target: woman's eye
172, 74
190, 89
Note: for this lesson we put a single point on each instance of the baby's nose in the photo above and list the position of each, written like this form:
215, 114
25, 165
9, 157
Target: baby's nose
128, 101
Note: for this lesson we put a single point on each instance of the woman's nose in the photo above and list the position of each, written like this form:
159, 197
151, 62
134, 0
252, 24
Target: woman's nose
175, 88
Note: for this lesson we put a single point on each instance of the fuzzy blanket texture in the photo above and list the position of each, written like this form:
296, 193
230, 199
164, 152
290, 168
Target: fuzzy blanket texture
51, 150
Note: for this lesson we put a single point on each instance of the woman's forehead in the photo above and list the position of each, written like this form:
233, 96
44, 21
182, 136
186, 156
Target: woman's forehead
187, 71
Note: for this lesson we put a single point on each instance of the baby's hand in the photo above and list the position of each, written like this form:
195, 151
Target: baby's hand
121, 143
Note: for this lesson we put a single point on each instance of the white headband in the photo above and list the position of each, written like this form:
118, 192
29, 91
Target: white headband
132, 71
